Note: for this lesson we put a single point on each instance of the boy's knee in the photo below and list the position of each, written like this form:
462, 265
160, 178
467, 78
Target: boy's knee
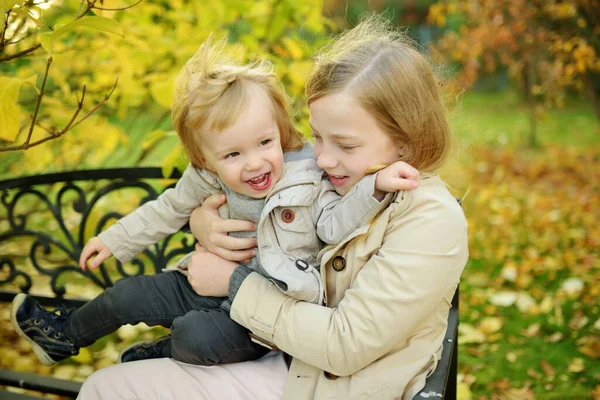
195, 340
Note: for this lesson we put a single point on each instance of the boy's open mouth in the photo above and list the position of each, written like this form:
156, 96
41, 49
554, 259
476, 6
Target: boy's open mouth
261, 182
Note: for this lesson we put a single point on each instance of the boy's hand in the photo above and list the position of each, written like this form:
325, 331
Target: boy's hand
93, 246
395, 177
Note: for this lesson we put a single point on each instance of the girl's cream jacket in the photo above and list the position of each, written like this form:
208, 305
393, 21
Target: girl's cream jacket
388, 293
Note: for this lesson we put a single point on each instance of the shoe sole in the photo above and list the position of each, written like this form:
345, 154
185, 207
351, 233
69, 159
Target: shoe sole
131, 346
37, 349
120, 359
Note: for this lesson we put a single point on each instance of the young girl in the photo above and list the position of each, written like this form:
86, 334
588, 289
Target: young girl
233, 123
388, 286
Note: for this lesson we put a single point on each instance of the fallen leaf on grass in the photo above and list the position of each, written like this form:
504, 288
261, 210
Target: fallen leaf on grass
578, 321
469, 334
533, 374
503, 299
523, 393
590, 346
490, 325
576, 365
525, 303
463, 392
555, 337
511, 357
547, 368
595, 393
547, 304
573, 286
532, 330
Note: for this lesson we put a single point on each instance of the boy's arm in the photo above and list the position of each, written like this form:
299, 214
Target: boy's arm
158, 218
336, 216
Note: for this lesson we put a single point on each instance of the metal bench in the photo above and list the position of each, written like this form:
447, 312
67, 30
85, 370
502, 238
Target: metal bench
44, 223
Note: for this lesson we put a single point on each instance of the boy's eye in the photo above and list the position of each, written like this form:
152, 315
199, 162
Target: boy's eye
347, 148
231, 155
265, 142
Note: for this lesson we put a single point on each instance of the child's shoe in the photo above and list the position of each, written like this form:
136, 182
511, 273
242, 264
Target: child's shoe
44, 329
145, 350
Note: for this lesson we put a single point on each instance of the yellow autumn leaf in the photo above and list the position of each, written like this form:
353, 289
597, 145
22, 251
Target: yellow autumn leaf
298, 71
162, 92
84, 357
99, 23
469, 334
490, 325
293, 47
576, 365
175, 159
10, 112
5, 5
154, 137
463, 392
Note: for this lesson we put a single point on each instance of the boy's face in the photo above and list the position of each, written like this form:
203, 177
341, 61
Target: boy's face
247, 156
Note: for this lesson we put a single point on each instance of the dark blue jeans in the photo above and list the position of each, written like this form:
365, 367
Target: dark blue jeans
201, 331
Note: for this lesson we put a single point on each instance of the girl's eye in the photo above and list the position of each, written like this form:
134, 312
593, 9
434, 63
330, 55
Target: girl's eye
265, 142
347, 148
315, 136
231, 155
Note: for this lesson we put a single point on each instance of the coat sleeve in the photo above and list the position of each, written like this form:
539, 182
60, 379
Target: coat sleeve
336, 216
158, 218
419, 262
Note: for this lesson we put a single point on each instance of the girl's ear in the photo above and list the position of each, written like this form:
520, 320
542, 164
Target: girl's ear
401, 150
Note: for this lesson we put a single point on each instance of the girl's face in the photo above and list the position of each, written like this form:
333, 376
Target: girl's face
348, 140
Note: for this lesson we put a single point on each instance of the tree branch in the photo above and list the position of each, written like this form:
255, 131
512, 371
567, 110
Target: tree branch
117, 9
72, 124
21, 53
5, 27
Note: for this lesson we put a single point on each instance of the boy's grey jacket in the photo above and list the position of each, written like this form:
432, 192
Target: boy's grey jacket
287, 247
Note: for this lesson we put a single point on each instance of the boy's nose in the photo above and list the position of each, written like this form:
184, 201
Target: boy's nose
253, 163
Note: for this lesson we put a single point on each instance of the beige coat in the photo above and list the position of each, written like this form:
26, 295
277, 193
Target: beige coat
302, 211
388, 294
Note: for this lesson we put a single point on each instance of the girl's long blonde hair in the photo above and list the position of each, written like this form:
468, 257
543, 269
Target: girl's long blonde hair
381, 68
211, 94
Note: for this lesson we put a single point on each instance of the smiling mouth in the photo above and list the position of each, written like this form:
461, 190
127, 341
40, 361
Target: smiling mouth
261, 182
337, 180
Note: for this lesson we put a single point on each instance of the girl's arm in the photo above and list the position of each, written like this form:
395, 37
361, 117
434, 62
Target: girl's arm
158, 218
418, 264
336, 216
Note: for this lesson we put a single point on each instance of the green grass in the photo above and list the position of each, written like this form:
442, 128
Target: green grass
501, 118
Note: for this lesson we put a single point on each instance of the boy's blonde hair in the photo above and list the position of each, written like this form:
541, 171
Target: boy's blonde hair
389, 78
211, 94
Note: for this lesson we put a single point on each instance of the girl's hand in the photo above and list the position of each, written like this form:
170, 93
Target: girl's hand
209, 274
212, 231
93, 246
395, 177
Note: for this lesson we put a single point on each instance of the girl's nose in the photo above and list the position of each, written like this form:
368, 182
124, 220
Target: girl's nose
326, 161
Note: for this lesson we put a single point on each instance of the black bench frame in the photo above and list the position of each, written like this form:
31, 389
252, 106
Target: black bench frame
52, 190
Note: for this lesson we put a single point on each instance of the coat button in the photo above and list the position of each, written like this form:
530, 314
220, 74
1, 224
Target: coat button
287, 215
338, 263
330, 376
302, 265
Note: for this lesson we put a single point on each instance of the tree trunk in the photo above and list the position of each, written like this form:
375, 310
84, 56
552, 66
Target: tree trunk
528, 82
591, 82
